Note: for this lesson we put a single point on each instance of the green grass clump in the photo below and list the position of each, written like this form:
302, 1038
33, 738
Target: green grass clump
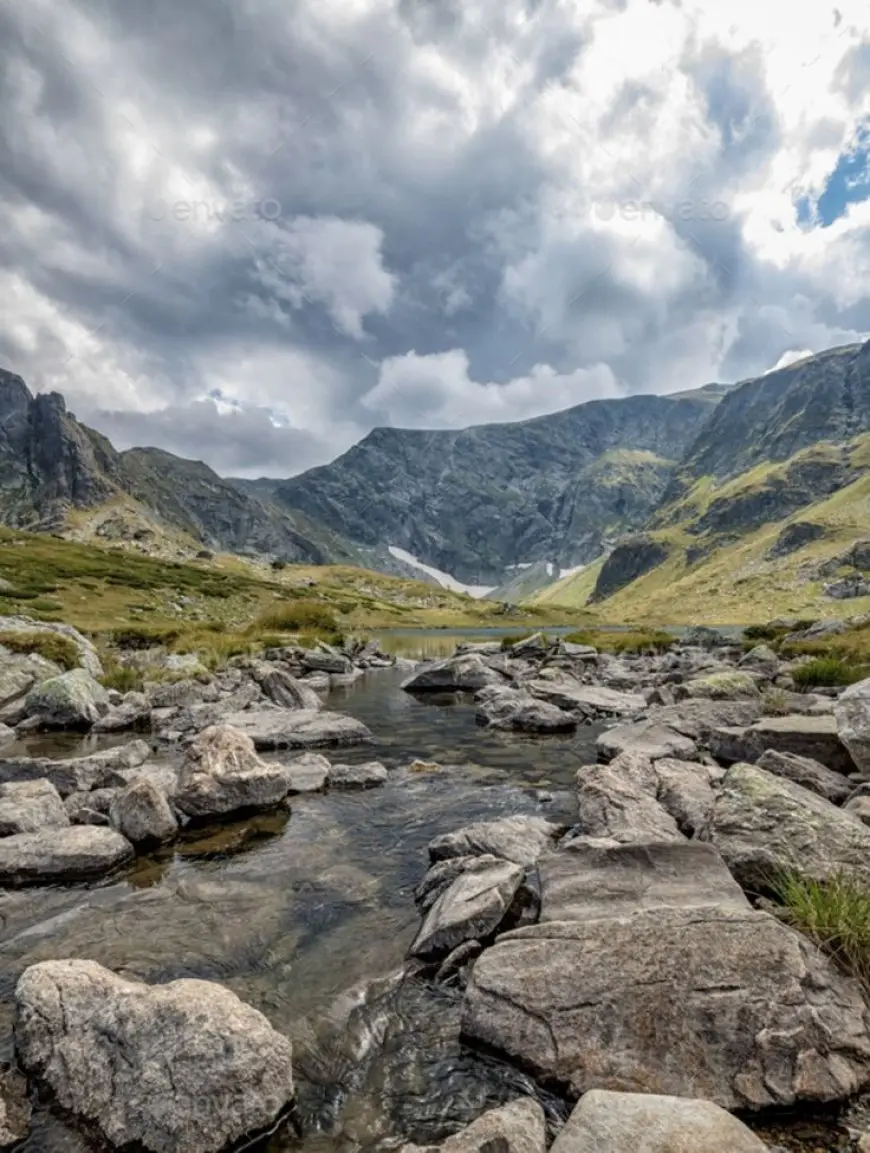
51, 646
122, 677
296, 617
508, 642
828, 671
635, 642
835, 914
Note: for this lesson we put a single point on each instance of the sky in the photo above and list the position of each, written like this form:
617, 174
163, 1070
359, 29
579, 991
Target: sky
250, 231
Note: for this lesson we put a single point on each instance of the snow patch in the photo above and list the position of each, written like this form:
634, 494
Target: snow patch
563, 572
444, 579
549, 568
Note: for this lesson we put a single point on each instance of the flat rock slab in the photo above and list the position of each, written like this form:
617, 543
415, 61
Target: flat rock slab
184, 1067
606, 1122
716, 1003
298, 728
307, 774
588, 700
365, 776
78, 774
762, 824
73, 854
807, 736
583, 882
812, 775
28, 806
648, 738
696, 718
517, 839
471, 908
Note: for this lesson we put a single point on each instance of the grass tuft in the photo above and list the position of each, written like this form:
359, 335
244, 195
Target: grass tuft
834, 914
51, 646
297, 617
636, 642
828, 671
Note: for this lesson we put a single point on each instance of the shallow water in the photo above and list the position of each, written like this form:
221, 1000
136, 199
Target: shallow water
292, 911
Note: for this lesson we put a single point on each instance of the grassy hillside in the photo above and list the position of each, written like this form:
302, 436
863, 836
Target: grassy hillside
723, 567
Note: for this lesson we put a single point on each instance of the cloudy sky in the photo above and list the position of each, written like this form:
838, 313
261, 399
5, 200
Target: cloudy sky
250, 230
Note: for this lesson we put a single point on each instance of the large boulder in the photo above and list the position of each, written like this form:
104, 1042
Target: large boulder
89, 658
852, 713
761, 660
646, 738
142, 814
28, 806
514, 710
19, 672
298, 729
51, 856
471, 908
283, 689
617, 802
807, 736
519, 1127
517, 839
134, 712
179, 1068
813, 775
466, 672
104, 769
222, 773
74, 700
606, 1122
763, 824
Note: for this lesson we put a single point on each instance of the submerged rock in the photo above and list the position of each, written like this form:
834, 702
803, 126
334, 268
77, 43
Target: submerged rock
606, 1122
517, 839
179, 1068
77, 853
365, 776
519, 1127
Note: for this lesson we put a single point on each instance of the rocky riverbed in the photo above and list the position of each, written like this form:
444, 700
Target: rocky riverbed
339, 901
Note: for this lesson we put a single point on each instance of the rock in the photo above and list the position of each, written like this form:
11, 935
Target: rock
533, 646
517, 839
519, 1127
299, 729
810, 736
763, 660
813, 775
516, 711
618, 802
583, 881
74, 700
471, 908
727, 1004
698, 718
14, 1107
6, 734
307, 773
54, 855
319, 682
586, 700
762, 824
704, 637
19, 672
188, 663
89, 658
852, 713
90, 808
728, 686
222, 773
467, 672
606, 1122
77, 774
324, 662
163, 776
859, 807
648, 739
142, 814
184, 1067
685, 790
365, 776
133, 713
284, 690
28, 806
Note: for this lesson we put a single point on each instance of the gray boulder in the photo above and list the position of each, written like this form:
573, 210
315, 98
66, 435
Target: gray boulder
762, 660
283, 689
15, 1107
19, 672
73, 700
79, 774
519, 1127
298, 729
471, 908
222, 773
517, 839
134, 712
813, 775
28, 806
318, 661
142, 814
513, 710
365, 776
89, 658
179, 1068
586, 700
308, 773
648, 739
617, 802
807, 736
77, 853
467, 672
762, 824
90, 808
605, 1122
852, 713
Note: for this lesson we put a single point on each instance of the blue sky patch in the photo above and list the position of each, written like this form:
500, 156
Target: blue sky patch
848, 183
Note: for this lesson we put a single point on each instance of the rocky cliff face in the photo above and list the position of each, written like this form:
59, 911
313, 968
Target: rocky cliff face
474, 502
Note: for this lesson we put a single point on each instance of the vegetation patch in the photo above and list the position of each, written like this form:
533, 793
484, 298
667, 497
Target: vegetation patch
51, 646
834, 914
636, 642
297, 617
828, 671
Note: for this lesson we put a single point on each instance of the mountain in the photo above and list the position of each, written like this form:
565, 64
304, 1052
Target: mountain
478, 502
53, 467
763, 513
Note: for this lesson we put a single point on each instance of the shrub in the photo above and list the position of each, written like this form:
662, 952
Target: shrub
293, 618
51, 646
827, 671
835, 914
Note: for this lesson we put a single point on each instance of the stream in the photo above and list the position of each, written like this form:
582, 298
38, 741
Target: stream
308, 917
